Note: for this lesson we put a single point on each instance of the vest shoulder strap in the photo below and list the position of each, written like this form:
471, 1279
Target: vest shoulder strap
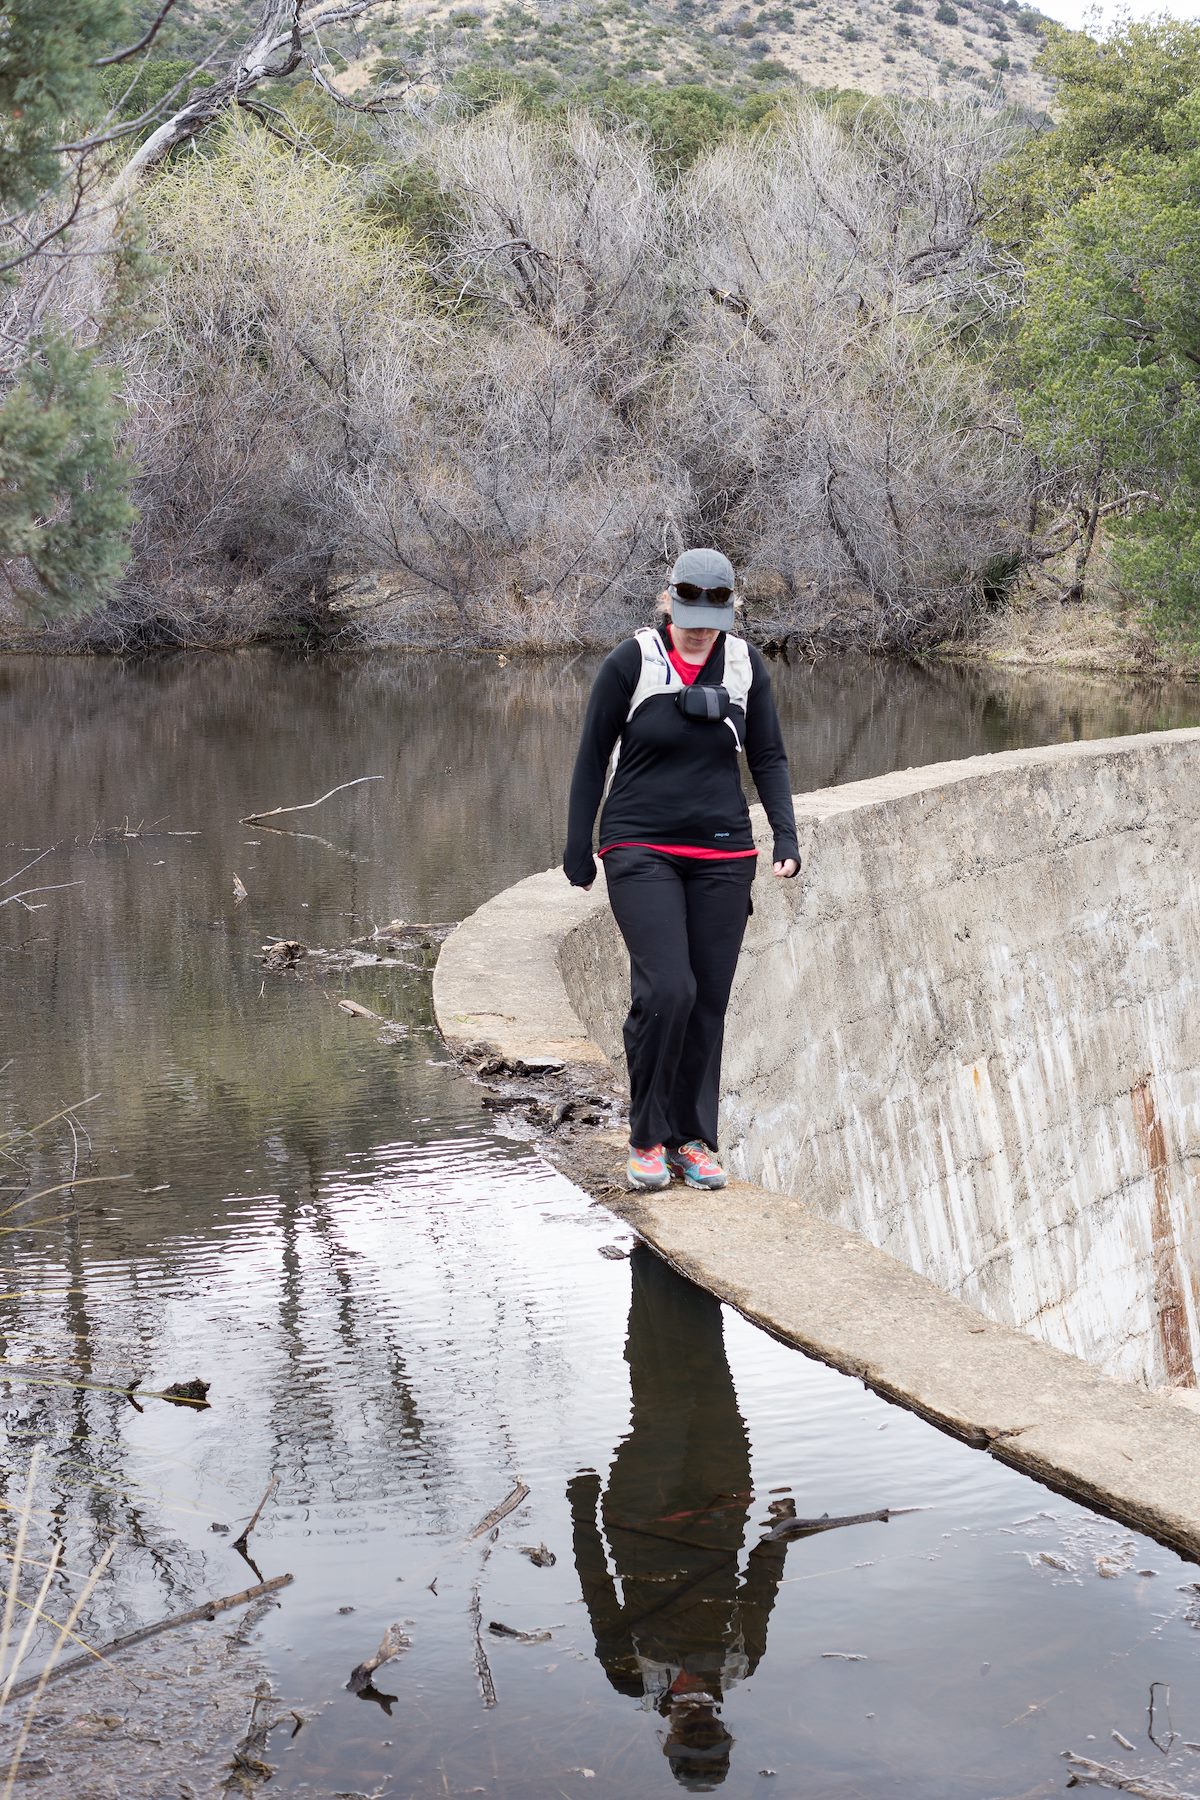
739, 673
657, 676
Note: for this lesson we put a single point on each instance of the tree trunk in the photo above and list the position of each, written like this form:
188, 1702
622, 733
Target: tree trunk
1089, 518
276, 49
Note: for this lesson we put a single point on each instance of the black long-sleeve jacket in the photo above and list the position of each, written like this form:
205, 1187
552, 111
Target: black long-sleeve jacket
677, 779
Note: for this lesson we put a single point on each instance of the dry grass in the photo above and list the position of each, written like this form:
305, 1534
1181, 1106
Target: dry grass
1102, 634
16, 1606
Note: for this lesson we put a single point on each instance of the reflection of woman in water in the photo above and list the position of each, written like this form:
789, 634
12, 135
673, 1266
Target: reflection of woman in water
687, 1625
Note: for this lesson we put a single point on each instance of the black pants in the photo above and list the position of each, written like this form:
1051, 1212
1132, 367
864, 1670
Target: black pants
683, 920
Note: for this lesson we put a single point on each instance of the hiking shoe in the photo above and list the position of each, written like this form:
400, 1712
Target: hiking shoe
697, 1165
647, 1169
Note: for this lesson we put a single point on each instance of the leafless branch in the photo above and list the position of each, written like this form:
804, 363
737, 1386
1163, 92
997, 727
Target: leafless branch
143, 43
307, 805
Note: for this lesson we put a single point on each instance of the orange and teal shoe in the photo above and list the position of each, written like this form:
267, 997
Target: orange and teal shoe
697, 1165
647, 1169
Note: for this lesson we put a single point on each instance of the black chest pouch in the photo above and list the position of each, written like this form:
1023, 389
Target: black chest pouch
704, 703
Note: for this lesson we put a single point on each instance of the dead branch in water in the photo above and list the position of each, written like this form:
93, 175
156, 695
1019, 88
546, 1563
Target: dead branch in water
29, 865
52, 887
127, 833
394, 1641
797, 1528
241, 1543
256, 818
208, 1610
507, 1505
132, 1390
1086, 1773
500, 1630
483, 1669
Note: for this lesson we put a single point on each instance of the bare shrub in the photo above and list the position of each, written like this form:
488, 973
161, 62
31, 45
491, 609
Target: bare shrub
497, 419
563, 225
503, 484
847, 443
516, 472
274, 294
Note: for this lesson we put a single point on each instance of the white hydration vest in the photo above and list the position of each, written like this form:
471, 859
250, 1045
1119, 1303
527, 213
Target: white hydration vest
659, 676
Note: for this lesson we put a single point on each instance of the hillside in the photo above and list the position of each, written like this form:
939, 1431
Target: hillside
940, 49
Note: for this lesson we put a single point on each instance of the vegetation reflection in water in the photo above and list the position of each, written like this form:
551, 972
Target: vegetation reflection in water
400, 1311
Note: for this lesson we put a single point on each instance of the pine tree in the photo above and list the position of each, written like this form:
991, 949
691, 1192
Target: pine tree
65, 511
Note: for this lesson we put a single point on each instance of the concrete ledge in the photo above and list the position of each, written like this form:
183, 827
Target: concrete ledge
500, 988
497, 984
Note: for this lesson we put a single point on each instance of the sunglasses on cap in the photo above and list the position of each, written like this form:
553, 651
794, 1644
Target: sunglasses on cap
689, 593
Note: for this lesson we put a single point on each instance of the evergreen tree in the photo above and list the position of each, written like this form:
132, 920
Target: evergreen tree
65, 511
1109, 341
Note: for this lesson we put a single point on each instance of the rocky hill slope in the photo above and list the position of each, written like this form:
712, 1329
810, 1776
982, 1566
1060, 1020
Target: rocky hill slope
939, 49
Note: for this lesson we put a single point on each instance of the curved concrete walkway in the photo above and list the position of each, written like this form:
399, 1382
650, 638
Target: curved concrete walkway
505, 994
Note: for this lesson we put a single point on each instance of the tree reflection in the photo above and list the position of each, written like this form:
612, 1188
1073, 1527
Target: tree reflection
688, 1623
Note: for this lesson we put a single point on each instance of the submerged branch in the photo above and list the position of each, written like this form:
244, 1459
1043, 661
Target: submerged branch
208, 1610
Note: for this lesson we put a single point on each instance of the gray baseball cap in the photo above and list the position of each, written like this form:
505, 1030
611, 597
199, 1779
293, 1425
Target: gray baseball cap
699, 573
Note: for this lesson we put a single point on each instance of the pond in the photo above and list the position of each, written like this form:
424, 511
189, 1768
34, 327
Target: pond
403, 1313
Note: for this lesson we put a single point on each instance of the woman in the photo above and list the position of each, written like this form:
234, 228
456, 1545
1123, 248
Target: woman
672, 709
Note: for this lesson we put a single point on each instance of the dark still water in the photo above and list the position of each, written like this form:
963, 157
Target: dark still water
401, 1313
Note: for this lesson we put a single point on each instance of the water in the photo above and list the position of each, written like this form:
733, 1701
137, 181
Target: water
401, 1312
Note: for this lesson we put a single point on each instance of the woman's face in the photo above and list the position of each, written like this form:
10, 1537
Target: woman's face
693, 645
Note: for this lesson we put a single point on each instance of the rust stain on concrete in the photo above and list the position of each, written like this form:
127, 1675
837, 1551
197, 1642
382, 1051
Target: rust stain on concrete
1170, 1306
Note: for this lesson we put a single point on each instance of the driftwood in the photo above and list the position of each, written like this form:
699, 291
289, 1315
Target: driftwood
241, 1543
132, 1390
539, 1555
393, 1642
796, 1528
509, 1504
306, 805
186, 1393
1087, 1773
499, 1629
361, 1012
208, 1610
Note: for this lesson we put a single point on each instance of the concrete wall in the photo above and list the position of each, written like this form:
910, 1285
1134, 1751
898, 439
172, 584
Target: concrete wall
970, 1033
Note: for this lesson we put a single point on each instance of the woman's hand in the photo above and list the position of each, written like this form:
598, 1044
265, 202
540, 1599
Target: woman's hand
786, 869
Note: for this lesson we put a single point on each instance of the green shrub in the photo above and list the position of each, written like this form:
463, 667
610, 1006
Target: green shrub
481, 87
65, 510
410, 199
945, 14
852, 33
146, 87
680, 121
